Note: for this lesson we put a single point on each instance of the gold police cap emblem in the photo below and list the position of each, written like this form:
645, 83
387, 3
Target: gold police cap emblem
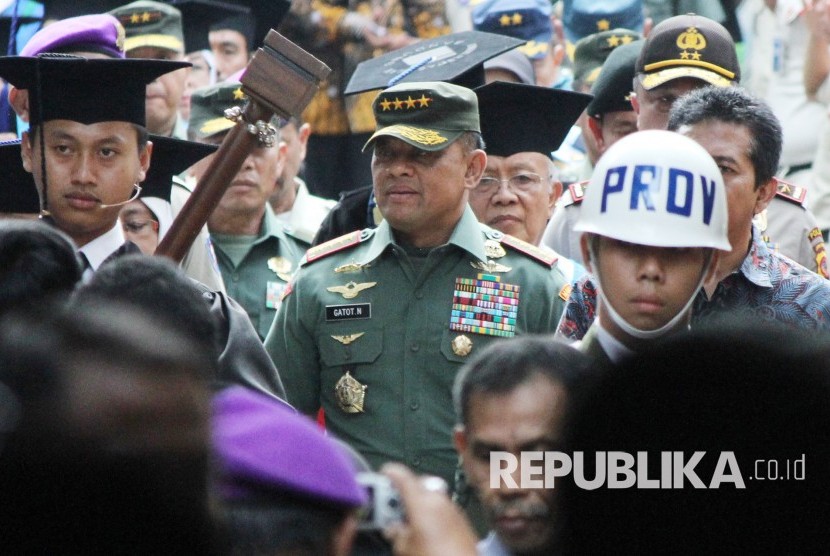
690, 39
350, 394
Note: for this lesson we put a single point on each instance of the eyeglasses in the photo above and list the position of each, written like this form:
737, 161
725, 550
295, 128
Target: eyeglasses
520, 183
138, 226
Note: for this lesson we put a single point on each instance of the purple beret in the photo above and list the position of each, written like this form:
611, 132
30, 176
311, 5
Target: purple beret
87, 33
262, 446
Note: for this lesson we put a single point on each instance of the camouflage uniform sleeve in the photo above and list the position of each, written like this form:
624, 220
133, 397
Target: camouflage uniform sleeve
292, 346
580, 311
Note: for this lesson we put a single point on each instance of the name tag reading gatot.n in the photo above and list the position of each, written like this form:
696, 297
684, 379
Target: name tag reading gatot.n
353, 311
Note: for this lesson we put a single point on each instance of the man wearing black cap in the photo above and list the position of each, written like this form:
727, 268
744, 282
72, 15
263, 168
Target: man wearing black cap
521, 126
610, 117
375, 324
687, 52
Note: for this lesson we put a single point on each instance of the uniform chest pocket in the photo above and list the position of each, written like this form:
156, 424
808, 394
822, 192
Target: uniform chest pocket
353, 345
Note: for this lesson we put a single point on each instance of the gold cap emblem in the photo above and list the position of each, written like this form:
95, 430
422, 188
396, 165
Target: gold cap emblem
690, 39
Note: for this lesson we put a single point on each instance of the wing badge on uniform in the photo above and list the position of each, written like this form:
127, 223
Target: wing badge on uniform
347, 339
352, 289
281, 267
490, 266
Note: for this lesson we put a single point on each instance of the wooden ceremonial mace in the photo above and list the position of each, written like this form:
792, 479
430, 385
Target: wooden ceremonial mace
281, 78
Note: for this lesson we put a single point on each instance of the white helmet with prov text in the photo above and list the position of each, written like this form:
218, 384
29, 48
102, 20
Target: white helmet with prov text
657, 188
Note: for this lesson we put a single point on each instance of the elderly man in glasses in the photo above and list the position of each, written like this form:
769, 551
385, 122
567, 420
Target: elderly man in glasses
521, 125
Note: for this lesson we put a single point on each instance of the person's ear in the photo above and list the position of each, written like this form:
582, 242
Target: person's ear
26, 151
586, 252
476, 164
144, 158
596, 130
765, 194
459, 438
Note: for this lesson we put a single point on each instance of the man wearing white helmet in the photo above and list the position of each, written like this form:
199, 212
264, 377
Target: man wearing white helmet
654, 221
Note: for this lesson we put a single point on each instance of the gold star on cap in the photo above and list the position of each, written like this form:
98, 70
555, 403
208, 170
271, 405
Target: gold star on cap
238, 94
684, 55
603, 24
613, 41
424, 100
505, 20
695, 55
398, 103
145, 17
385, 104
135, 18
517, 18
625, 39
410, 102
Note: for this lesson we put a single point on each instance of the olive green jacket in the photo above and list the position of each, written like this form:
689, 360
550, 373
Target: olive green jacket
390, 330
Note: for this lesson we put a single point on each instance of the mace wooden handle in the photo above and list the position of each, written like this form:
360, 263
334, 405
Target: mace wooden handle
281, 78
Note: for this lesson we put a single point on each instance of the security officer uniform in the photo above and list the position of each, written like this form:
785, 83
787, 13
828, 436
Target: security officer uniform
374, 332
789, 228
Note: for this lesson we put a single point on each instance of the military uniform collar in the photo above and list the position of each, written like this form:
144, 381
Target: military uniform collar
271, 227
467, 235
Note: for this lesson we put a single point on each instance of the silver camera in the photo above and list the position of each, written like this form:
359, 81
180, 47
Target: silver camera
384, 507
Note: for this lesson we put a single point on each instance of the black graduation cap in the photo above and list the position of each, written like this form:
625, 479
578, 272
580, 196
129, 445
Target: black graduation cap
86, 91
61, 9
170, 158
18, 192
199, 17
267, 15
457, 58
525, 118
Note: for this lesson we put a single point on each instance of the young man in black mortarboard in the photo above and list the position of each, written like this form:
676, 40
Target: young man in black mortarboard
87, 146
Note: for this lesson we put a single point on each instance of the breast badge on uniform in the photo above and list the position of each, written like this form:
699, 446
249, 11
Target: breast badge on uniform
485, 305
352, 289
281, 267
347, 339
462, 345
350, 394
351, 267
490, 266
493, 249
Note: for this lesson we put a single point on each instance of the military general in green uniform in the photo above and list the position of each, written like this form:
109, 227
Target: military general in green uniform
375, 324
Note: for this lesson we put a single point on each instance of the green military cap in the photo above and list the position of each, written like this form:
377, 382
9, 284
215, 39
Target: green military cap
612, 89
208, 105
429, 115
149, 23
592, 51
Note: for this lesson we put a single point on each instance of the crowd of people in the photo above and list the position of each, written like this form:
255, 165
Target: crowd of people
524, 277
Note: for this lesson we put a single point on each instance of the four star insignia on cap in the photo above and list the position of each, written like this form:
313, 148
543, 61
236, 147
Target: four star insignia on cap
603, 25
405, 104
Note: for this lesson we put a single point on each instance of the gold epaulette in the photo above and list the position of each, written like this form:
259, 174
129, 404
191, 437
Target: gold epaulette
790, 191
334, 245
532, 251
